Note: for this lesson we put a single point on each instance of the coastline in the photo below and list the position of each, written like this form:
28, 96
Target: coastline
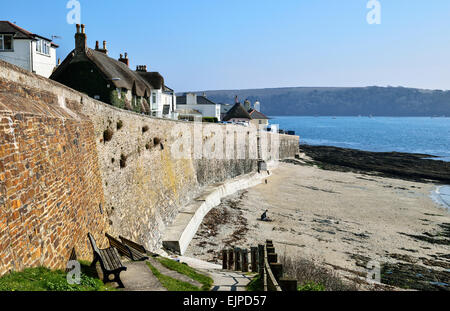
342, 219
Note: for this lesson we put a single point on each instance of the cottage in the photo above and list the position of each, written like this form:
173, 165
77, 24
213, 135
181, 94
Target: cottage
258, 118
109, 80
163, 101
24, 49
237, 114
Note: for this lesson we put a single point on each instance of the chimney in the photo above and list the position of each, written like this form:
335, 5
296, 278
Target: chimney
98, 49
80, 40
141, 68
125, 59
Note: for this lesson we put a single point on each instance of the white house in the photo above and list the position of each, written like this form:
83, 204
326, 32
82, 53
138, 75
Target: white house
191, 101
27, 50
163, 101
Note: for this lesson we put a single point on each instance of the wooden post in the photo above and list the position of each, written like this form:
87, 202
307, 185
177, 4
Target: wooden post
272, 257
224, 259
244, 260
237, 259
288, 285
270, 250
261, 259
277, 270
254, 257
230, 259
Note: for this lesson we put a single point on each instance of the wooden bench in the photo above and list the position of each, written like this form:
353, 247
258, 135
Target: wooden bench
109, 262
126, 250
138, 251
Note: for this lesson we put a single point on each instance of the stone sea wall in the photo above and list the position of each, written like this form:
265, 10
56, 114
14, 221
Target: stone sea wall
72, 165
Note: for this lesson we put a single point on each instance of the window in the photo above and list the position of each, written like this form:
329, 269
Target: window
6, 42
43, 47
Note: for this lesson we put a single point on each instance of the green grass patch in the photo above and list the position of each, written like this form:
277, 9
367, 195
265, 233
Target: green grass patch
44, 279
256, 285
206, 281
172, 284
311, 287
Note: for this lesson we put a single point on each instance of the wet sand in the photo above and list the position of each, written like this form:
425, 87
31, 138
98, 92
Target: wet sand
339, 219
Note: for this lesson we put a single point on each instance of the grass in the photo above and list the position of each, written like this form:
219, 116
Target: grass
256, 285
172, 284
311, 287
44, 279
206, 281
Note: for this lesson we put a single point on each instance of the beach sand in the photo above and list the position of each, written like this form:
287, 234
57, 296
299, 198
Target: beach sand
338, 219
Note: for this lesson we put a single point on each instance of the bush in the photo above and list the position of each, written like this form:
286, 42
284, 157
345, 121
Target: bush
312, 276
145, 129
119, 124
210, 119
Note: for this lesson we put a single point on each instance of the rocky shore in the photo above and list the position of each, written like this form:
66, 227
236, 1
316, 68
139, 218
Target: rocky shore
408, 166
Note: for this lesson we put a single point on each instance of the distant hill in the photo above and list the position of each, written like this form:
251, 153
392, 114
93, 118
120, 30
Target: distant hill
330, 101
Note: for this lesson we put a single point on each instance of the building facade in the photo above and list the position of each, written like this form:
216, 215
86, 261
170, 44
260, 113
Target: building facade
24, 49
201, 104
101, 77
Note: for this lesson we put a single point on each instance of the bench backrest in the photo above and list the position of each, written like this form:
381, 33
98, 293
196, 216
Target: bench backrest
134, 245
123, 249
93, 244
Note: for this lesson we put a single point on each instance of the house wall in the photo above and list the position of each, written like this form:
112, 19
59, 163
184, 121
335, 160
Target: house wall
20, 56
44, 64
212, 111
60, 178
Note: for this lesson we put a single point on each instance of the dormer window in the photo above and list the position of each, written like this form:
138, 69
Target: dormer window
43, 47
6, 42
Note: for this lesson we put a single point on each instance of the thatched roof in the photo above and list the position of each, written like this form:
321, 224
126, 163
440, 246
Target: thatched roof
237, 112
155, 79
114, 71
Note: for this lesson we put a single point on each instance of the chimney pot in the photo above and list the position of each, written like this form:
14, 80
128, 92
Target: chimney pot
104, 45
96, 45
126, 55
82, 28
80, 40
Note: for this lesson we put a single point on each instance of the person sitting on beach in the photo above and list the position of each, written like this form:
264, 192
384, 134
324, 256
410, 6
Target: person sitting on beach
264, 216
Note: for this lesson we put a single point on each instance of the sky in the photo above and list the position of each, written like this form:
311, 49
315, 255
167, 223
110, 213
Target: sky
239, 44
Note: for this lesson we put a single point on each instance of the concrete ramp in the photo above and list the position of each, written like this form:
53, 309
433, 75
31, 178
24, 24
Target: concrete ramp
178, 235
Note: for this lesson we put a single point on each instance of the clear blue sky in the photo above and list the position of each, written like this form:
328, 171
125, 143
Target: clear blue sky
237, 44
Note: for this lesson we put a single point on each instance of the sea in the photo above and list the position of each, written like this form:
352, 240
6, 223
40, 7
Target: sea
424, 135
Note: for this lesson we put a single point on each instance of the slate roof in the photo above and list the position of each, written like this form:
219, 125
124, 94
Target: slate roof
7, 27
256, 115
201, 100
237, 112
116, 72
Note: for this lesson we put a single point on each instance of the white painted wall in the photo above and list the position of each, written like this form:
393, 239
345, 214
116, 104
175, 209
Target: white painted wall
212, 111
23, 55
20, 56
44, 64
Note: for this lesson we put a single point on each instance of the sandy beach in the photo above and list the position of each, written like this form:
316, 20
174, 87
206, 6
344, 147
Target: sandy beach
339, 219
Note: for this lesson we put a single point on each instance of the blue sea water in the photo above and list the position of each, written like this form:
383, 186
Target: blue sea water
380, 134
